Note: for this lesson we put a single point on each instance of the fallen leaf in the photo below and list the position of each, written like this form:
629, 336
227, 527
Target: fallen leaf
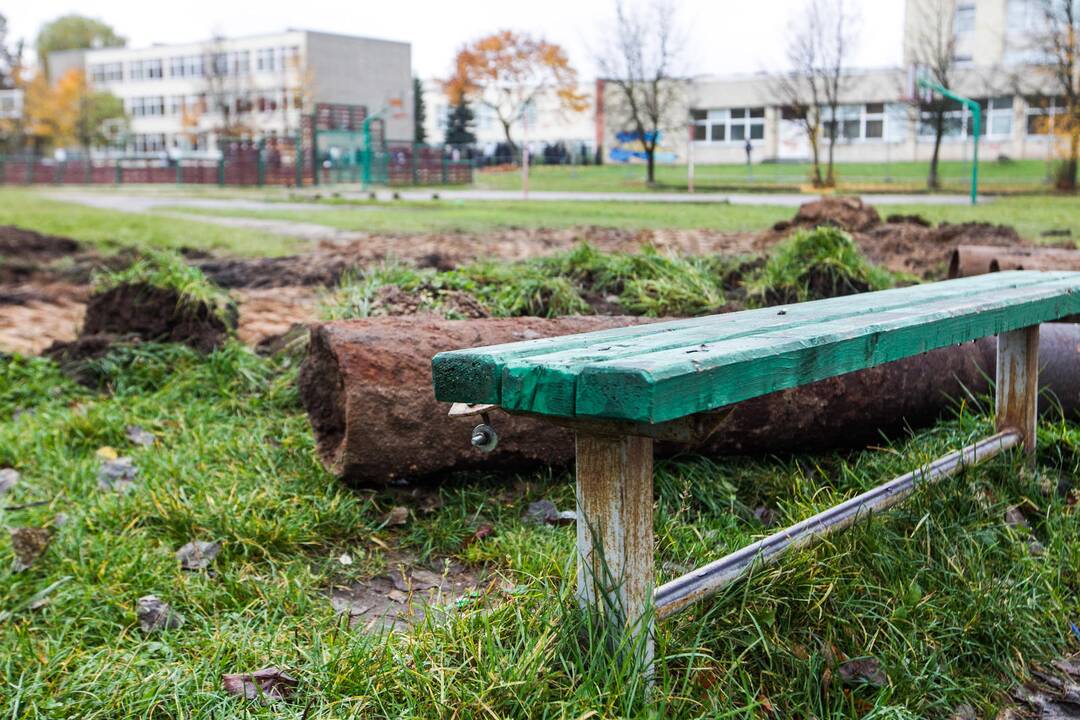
545, 512
1014, 518
485, 530
345, 559
9, 477
863, 671
107, 453
198, 554
117, 475
154, 615
29, 544
964, 712
398, 515
269, 684
138, 436
765, 515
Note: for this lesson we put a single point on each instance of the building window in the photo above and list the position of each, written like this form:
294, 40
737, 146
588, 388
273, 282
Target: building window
107, 72
147, 142
731, 125
145, 69
997, 115
965, 18
1044, 115
153, 106
855, 122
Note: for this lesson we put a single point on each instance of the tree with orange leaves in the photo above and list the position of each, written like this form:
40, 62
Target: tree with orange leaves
508, 71
68, 112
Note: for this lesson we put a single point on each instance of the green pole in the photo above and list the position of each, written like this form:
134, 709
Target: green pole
119, 172
261, 163
976, 124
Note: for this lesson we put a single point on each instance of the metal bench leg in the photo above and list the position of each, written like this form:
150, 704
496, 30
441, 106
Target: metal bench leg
1018, 383
615, 534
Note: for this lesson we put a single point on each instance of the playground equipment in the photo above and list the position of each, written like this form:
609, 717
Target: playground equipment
976, 123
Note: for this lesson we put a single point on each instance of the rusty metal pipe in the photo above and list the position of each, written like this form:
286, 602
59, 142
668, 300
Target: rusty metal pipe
676, 595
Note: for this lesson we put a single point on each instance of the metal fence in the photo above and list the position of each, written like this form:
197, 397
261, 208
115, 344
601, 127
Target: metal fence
249, 163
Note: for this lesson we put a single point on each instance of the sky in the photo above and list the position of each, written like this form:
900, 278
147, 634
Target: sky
724, 36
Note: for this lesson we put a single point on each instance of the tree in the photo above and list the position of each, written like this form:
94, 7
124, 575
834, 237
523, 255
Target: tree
508, 72
419, 112
640, 62
821, 41
69, 113
75, 32
227, 82
459, 124
1058, 42
933, 51
10, 58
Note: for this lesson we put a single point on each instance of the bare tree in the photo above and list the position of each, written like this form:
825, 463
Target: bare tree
640, 62
821, 41
1058, 41
227, 83
933, 52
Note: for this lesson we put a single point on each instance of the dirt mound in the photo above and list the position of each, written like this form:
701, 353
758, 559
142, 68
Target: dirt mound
847, 213
158, 315
17, 242
898, 218
924, 251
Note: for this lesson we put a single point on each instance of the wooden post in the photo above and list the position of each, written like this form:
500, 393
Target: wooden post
1018, 383
615, 534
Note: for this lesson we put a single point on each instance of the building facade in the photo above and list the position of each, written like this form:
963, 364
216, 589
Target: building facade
995, 61
184, 98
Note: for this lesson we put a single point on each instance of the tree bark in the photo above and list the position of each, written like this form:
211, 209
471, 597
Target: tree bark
932, 180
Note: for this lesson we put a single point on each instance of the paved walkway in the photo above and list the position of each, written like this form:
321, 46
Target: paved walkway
784, 199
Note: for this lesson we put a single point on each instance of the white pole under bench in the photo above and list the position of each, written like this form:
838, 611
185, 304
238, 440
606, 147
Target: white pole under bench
622, 389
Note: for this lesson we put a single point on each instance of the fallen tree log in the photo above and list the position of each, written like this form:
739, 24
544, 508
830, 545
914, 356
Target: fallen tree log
968, 260
366, 385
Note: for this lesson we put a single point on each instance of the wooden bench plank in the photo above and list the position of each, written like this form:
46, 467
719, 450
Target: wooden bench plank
705, 363
475, 375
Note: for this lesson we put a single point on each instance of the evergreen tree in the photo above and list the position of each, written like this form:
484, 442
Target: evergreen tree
459, 124
419, 112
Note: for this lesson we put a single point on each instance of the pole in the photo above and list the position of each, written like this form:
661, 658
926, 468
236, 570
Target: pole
690, 159
976, 115
525, 154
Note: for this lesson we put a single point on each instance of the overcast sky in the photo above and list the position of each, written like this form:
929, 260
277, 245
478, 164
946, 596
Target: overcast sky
725, 36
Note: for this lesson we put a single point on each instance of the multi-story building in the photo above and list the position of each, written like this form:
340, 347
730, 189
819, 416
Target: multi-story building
995, 62
184, 98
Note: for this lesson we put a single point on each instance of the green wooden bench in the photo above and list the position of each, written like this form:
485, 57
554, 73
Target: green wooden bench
622, 389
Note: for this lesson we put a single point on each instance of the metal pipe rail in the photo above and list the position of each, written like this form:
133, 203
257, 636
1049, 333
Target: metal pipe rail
676, 595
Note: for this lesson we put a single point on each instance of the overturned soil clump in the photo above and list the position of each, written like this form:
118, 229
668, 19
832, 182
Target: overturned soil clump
846, 213
157, 314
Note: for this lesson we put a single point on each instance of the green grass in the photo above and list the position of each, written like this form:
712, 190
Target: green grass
1030, 215
941, 590
1019, 175
110, 230
168, 270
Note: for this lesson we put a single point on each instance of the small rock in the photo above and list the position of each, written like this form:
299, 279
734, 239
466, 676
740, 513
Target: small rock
154, 615
545, 512
198, 554
345, 559
117, 475
269, 684
863, 671
398, 515
138, 436
29, 544
9, 477
424, 579
1036, 548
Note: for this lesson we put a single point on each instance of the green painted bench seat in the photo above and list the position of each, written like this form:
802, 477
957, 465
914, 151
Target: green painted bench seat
664, 371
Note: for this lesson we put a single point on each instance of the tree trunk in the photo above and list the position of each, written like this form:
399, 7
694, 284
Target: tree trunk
366, 386
650, 161
932, 181
815, 155
830, 176
1067, 176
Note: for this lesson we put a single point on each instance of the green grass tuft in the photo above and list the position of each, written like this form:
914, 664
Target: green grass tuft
168, 270
814, 264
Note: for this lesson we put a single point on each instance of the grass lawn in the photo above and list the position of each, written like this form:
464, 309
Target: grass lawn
113, 230
1019, 175
942, 591
1030, 215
